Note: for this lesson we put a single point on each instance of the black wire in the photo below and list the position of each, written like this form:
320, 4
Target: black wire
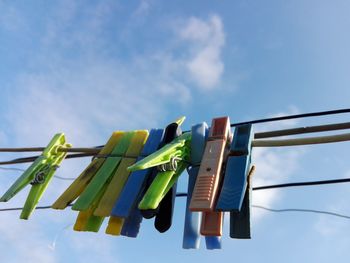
297, 184
296, 116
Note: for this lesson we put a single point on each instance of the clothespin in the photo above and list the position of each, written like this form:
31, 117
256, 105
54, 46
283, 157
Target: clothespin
191, 237
103, 174
126, 205
86, 220
240, 221
209, 177
165, 211
171, 160
79, 184
117, 181
237, 169
233, 190
39, 174
124, 154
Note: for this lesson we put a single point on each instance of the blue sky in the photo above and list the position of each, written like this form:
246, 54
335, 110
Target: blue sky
88, 68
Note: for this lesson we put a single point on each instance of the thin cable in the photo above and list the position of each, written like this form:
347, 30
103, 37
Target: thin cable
93, 150
295, 116
255, 206
20, 208
301, 210
22, 170
12, 169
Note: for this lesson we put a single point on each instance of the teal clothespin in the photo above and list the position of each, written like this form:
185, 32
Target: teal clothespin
39, 174
171, 160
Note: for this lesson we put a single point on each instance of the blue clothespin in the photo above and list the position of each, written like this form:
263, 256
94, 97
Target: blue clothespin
126, 205
233, 190
191, 237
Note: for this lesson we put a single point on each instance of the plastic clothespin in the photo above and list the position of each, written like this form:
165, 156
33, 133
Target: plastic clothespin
165, 211
113, 169
191, 237
79, 184
240, 221
209, 177
173, 154
235, 182
39, 174
237, 169
97, 183
86, 220
121, 175
171, 160
134, 188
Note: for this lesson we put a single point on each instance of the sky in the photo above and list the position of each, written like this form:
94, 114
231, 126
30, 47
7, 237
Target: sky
88, 68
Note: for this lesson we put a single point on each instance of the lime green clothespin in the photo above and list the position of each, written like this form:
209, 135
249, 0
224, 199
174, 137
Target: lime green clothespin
39, 174
171, 160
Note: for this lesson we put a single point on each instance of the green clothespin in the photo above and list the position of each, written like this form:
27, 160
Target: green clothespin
39, 174
171, 160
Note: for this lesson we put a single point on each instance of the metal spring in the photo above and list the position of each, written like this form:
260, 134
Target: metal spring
40, 176
170, 166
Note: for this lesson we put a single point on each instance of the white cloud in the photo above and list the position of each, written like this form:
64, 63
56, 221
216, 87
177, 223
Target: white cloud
273, 165
207, 38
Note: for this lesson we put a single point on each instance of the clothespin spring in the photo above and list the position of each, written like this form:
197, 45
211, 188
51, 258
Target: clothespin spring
170, 166
40, 176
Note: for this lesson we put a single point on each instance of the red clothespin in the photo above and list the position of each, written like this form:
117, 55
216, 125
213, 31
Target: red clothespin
210, 175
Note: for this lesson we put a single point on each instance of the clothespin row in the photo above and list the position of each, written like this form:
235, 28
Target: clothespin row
108, 188
39, 174
134, 176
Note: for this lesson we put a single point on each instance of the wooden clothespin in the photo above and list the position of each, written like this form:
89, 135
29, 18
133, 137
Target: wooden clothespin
126, 205
233, 190
39, 174
191, 236
209, 177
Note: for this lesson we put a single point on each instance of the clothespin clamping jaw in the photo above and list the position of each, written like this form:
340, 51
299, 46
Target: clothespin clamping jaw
191, 237
39, 174
235, 195
210, 176
126, 205
170, 160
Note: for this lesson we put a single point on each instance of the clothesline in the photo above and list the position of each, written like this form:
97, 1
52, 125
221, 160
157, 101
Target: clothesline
256, 143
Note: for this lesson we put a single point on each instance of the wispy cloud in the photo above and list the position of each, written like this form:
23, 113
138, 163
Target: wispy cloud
207, 38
